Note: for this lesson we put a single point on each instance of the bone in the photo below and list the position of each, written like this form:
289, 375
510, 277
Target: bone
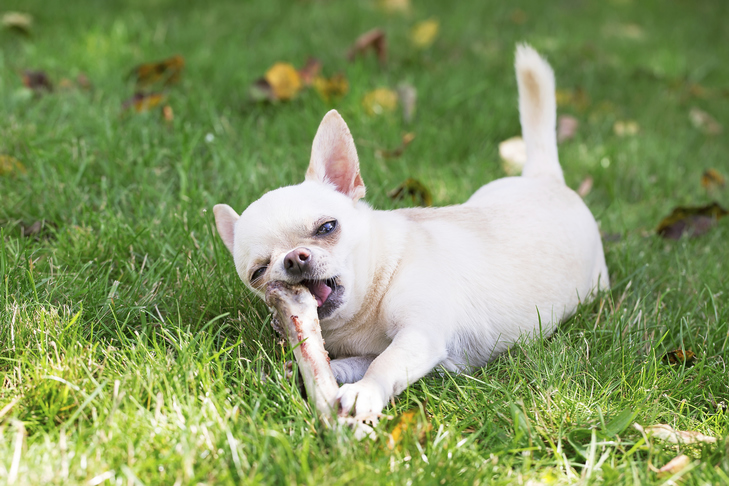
295, 317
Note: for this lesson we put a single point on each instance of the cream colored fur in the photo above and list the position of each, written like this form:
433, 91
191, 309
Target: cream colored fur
423, 288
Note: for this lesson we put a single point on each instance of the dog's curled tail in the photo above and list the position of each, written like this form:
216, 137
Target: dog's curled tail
538, 114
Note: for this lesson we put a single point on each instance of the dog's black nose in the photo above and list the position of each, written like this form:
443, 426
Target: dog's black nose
297, 261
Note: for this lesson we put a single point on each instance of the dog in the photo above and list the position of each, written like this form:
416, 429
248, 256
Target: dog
400, 293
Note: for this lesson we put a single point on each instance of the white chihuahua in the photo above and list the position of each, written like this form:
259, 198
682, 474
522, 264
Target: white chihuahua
402, 292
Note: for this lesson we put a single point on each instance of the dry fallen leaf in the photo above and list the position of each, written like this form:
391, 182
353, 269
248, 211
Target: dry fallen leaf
11, 166
694, 221
513, 155
284, 80
408, 96
677, 464
331, 88
17, 21
310, 72
38, 81
141, 102
679, 356
167, 71
624, 128
391, 154
424, 33
419, 194
392, 6
585, 187
408, 421
374, 39
669, 434
704, 122
566, 127
379, 101
167, 113
37, 229
711, 179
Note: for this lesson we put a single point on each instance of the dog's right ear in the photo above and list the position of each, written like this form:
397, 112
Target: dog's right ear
334, 157
225, 218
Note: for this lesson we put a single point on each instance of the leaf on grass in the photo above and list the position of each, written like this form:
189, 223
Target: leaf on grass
675, 465
423, 34
669, 434
331, 88
693, 221
513, 155
394, 6
409, 421
37, 229
167, 72
711, 179
518, 16
419, 194
408, 96
577, 98
375, 40
18, 22
704, 122
142, 102
310, 72
585, 187
167, 113
379, 101
680, 357
566, 127
626, 128
397, 152
284, 80
11, 166
38, 81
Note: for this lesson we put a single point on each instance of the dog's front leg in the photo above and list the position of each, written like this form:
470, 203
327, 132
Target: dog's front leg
410, 356
349, 370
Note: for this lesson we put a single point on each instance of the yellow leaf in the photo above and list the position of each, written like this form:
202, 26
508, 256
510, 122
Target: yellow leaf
144, 101
18, 21
392, 6
409, 420
167, 71
10, 166
284, 79
379, 101
712, 179
330, 88
424, 33
625, 128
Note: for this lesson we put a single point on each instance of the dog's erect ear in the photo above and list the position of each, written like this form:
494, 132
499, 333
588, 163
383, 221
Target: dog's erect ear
225, 219
334, 157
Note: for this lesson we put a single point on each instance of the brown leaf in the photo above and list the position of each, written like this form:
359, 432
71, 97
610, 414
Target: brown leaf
518, 16
38, 81
669, 434
310, 72
37, 229
409, 421
11, 166
331, 88
379, 101
712, 179
415, 189
167, 72
141, 102
513, 155
397, 152
424, 33
704, 122
694, 221
375, 40
585, 187
167, 113
675, 465
17, 21
679, 357
261, 90
408, 96
566, 127
284, 80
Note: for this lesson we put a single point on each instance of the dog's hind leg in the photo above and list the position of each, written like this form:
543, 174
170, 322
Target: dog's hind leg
349, 370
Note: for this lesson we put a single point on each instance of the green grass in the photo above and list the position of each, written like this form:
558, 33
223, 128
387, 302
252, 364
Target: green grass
131, 353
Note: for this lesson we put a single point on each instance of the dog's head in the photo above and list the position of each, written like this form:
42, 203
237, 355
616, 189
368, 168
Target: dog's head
313, 233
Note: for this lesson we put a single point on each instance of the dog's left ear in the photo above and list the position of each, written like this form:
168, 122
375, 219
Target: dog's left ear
225, 218
334, 157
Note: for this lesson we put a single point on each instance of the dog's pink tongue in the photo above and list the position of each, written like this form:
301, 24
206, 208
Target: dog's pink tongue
320, 290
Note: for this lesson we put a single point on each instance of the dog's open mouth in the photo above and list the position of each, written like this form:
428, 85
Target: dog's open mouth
327, 293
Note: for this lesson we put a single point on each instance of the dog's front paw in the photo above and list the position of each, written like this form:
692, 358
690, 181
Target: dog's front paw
365, 398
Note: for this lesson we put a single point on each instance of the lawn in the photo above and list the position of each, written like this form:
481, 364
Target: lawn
131, 353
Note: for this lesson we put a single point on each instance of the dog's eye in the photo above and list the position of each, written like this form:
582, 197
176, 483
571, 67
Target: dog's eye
326, 228
258, 274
